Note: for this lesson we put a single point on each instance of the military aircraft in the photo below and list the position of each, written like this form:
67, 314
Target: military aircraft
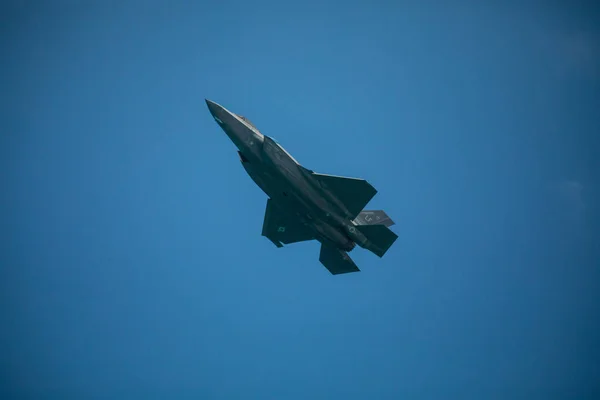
305, 205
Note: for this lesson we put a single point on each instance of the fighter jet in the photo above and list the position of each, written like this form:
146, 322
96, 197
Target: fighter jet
305, 205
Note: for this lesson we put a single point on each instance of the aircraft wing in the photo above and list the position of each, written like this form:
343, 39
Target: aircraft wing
336, 260
280, 227
354, 193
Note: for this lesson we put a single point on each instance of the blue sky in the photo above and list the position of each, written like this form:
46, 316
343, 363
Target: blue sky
132, 264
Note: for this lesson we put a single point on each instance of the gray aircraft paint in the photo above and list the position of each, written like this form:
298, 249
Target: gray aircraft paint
304, 205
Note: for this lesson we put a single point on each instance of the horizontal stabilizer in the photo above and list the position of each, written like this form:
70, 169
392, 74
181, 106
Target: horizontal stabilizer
336, 260
354, 193
381, 238
281, 227
373, 217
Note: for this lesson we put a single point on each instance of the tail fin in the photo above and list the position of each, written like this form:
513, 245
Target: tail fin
336, 260
373, 217
380, 238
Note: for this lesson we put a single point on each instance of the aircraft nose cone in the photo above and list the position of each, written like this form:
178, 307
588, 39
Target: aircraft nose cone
212, 106
217, 111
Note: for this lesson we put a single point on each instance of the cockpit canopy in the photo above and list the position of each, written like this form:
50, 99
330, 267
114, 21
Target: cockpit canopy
247, 121
249, 124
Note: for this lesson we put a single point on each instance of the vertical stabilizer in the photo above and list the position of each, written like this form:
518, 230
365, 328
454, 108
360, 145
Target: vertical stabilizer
373, 217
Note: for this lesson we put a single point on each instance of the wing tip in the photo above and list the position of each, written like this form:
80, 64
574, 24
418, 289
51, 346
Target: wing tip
275, 242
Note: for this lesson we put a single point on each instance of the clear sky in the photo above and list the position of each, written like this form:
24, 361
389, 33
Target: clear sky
132, 264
